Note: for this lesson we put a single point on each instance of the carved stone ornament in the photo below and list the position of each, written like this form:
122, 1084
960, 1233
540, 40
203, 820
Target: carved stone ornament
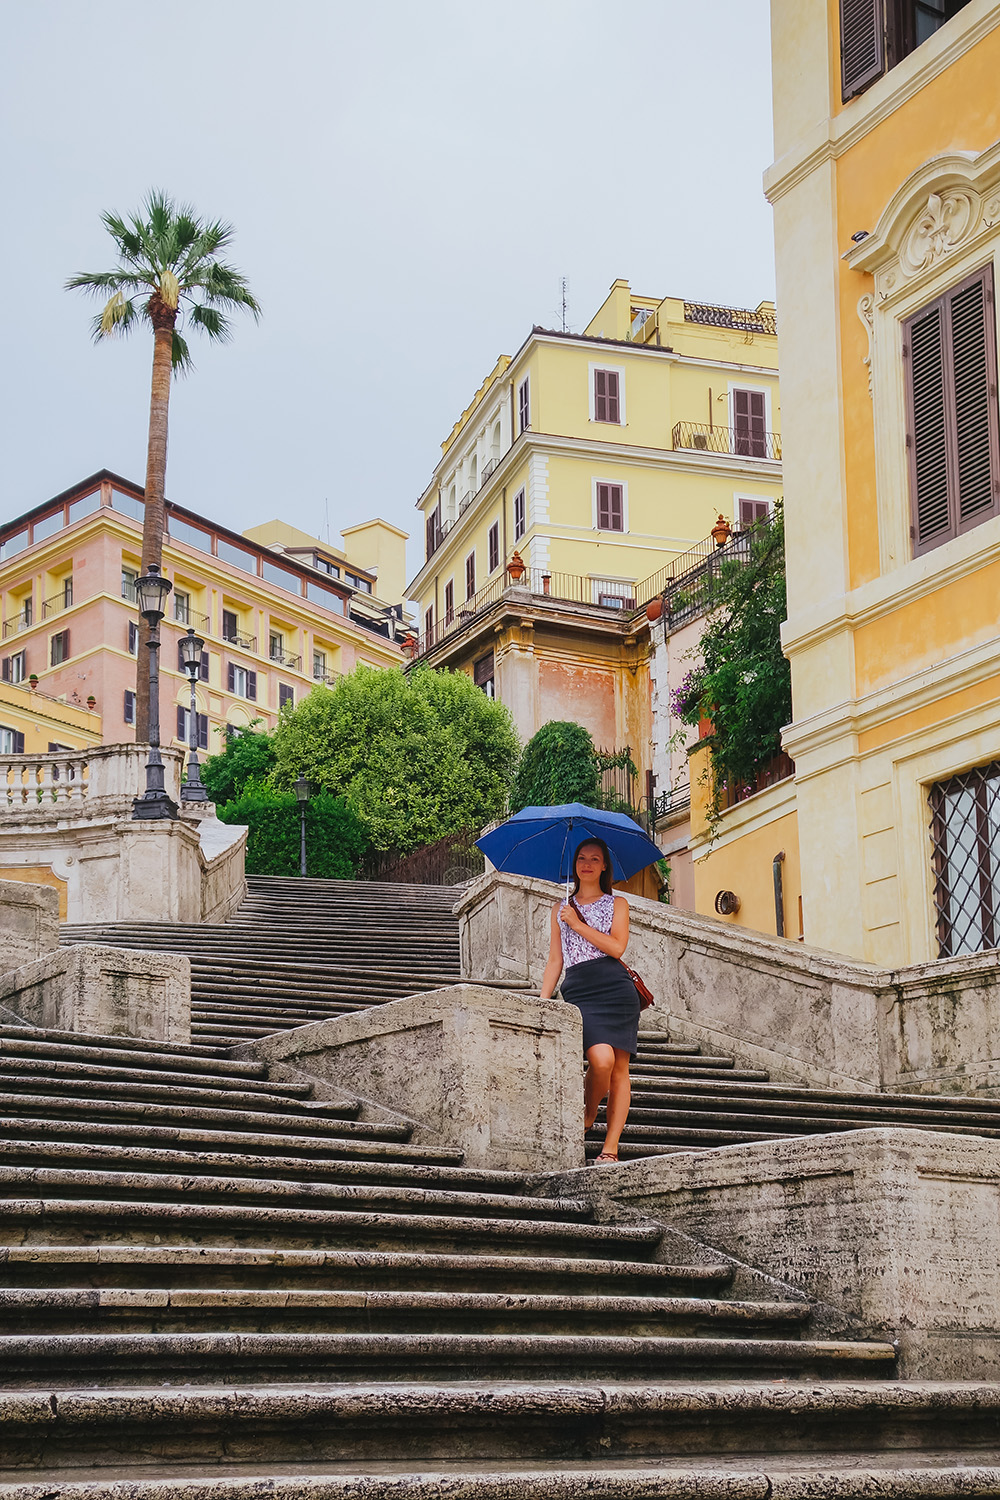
866, 312
937, 230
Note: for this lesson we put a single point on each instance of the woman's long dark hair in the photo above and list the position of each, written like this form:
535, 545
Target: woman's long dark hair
607, 874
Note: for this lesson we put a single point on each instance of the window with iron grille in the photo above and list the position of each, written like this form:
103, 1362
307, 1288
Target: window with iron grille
877, 34
949, 353
470, 575
523, 406
449, 601
519, 515
965, 832
493, 546
606, 406
610, 508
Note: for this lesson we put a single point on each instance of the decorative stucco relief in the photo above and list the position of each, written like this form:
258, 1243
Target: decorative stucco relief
866, 312
938, 229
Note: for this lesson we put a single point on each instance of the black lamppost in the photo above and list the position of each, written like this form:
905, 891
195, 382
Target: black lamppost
302, 792
151, 591
192, 647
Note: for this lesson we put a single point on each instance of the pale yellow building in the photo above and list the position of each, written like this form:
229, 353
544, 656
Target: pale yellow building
598, 459
886, 192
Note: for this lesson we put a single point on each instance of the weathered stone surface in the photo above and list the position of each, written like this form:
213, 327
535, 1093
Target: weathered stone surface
801, 1014
29, 922
494, 1073
111, 991
899, 1229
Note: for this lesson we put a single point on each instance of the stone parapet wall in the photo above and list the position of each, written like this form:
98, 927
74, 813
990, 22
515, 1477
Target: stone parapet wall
804, 1015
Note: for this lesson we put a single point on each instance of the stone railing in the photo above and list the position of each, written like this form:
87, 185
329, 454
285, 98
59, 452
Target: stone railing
68, 782
804, 1015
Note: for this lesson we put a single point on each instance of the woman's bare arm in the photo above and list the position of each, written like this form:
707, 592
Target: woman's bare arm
553, 968
614, 942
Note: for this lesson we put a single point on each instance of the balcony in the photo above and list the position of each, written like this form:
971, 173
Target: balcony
17, 623
284, 658
733, 441
237, 638
58, 602
328, 677
202, 623
745, 319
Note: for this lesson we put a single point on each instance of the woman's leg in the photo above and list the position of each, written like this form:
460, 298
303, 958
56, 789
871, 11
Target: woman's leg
600, 1066
619, 1099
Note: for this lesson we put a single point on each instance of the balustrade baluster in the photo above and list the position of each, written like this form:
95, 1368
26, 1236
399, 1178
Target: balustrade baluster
46, 786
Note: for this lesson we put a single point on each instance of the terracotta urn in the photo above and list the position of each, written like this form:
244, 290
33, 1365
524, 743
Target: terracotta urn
515, 568
721, 532
654, 608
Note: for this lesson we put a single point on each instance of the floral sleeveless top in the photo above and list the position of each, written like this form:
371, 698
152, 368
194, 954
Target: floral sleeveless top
576, 949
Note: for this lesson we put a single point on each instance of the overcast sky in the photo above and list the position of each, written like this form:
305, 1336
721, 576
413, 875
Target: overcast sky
408, 181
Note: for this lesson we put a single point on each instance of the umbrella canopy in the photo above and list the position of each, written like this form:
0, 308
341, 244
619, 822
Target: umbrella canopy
541, 841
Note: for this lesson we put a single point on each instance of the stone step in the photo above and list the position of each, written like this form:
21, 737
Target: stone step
292, 1357
100, 1090
211, 1266
314, 1150
739, 1094
20, 1072
33, 1219
52, 1036
478, 1194
800, 1118
365, 1429
239, 1310
103, 1051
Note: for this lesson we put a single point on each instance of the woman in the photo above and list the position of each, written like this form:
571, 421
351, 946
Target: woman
596, 983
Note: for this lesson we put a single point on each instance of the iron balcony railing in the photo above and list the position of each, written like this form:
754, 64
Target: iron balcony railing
569, 588
17, 623
734, 441
128, 591
328, 677
237, 638
200, 622
58, 602
285, 658
746, 319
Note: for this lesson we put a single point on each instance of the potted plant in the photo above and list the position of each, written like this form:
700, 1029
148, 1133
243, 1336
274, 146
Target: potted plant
91, 702
33, 680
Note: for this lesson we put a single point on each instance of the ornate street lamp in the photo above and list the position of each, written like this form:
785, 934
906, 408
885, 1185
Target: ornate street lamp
192, 647
302, 792
151, 591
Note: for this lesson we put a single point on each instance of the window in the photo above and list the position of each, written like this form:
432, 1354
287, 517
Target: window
523, 406
67, 591
470, 575
610, 508
606, 405
493, 546
429, 622
276, 646
433, 529
615, 595
129, 711
181, 531
449, 601
752, 511
11, 742
15, 667
326, 597
184, 727
182, 607
129, 505
283, 577
230, 625
483, 675
237, 556
750, 423
59, 648
325, 565
949, 351
319, 664
364, 584
877, 34
133, 638
129, 576
286, 696
965, 830
241, 681
519, 515
202, 670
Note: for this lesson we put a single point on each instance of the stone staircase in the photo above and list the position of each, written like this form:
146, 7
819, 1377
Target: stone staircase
215, 1284
302, 950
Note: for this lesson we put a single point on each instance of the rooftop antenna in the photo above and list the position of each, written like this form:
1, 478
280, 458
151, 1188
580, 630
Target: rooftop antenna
565, 326
326, 517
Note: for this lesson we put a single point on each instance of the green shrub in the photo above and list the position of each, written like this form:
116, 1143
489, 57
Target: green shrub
248, 756
335, 839
558, 765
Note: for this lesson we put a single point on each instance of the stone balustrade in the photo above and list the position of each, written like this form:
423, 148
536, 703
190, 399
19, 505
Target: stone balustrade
39, 786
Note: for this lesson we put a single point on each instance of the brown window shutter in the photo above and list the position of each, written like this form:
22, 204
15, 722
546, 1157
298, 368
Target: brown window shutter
862, 44
201, 720
231, 677
927, 435
974, 378
600, 396
6, 669
203, 667
611, 377
252, 685
603, 507
18, 742
616, 520
180, 725
482, 670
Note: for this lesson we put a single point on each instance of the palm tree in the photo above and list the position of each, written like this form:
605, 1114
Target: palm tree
167, 273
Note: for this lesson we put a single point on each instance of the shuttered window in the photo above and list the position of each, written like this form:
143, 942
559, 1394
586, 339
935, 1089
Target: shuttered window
470, 575
12, 742
750, 423
449, 601
519, 515
129, 707
202, 669
606, 405
610, 509
429, 624
286, 696
184, 727
59, 648
949, 351
752, 511
523, 406
493, 546
862, 44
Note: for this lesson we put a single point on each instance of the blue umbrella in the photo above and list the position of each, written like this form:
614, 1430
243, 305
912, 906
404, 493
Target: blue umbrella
541, 841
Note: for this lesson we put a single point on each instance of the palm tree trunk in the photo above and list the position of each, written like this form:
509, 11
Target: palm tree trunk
154, 524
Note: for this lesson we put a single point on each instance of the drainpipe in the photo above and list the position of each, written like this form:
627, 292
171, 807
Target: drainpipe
779, 899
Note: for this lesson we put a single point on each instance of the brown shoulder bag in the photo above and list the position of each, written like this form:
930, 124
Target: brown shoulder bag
644, 992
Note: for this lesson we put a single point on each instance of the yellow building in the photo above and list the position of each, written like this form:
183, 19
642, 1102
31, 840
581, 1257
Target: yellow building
278, 610
886, 192
598, 459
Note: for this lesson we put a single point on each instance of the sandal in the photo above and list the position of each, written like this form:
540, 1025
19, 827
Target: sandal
605, 1156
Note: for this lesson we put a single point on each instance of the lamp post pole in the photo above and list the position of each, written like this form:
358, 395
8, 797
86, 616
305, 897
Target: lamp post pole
192, 647
152, 590
302, 792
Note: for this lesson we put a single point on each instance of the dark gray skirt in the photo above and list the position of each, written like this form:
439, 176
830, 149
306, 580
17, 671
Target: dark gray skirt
607, 1000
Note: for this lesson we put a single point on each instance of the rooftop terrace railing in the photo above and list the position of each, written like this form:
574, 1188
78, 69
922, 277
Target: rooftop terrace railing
734, 441
745, 319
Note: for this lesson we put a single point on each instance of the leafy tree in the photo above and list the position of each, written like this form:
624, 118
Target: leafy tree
415, 756
167, 272
335, 840
743, 684
248, 756
558, 765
